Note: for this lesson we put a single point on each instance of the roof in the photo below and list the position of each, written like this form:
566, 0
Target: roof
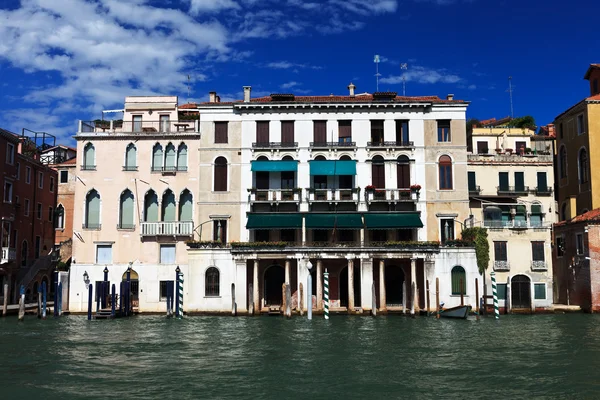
9, 135
594, 98
495, 122
188, 105
590, 216
71, 161
590, 69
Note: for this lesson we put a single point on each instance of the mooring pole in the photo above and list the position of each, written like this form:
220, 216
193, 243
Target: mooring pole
22, 304
428, 301
128, 291
121, 293
180, 292
495, 294
288, 298
39, 303
477, 298
326, 294
44, 297
5, 305
59, 299
233, 305
437, 297
462, 298
301, 299
404, 298
250, 300
283, 300
309, 305
90, 288
373, 301
412, 299
113, 300
56, 283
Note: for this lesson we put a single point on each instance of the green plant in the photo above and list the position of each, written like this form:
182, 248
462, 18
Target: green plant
258, 245
411, 244
479, 236
458, 243
204, 244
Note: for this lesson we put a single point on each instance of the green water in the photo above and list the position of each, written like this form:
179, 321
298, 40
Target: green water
542, 356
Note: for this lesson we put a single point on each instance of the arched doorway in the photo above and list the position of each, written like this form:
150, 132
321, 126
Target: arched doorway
135, 287
274, 279
344, 287
394, 277
520, 292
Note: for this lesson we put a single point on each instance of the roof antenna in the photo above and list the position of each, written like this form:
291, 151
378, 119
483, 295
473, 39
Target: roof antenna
188, 85
510, 92
377, 74
404, 67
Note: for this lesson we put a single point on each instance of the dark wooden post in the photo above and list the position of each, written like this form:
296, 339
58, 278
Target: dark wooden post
428, 300
477, 309
437, 297
462, 298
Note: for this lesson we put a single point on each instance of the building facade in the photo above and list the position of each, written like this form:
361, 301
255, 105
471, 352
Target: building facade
510, 176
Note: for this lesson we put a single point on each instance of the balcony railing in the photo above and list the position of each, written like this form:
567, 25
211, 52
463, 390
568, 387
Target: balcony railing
537, 265
330, 195
8, 254
141, 127
274, 145
88, 167
91, 226
274, 195
507, 159
391, 195
176, 228
391, 144
501, 265
474, 189
168, 169
130, 168
546, 191
517, 224
513, 190
330, 145
128, 227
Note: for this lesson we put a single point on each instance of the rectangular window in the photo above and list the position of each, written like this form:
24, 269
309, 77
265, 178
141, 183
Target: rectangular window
221, 132
18, 170
519, 181
287, 132
472, 181
137, 123
261, 235
8, 192
38, 246
542, 182
167, 254
539, 290
50, 214
26, 208
503, 181
345, 131
520, 147
52, 184
537, 251
287, 180
262, 132
320, 131
40, 180
447, 229
482, 147
320, 181
288, 235
64, 176
220, 230
560, 246
10, 153
501, 288
321, 235
39, 211
579, 244
104, 254
377, 131
162, 289
28, 175
444, 131
580, 125
402, 135
500, 253
165, 125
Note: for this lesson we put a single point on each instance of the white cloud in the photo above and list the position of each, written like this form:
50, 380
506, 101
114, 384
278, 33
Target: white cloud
423, 75
290, 85
290, 65
198, 6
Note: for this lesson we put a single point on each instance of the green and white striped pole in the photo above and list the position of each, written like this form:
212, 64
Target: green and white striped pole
495, 294
326, 293
180, 293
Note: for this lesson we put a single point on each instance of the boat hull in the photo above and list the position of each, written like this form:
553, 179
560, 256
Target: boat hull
460, 312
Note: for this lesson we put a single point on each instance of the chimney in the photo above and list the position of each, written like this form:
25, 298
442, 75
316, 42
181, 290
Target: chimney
247, 91
218, 99
450, 97
212, 97
351, 88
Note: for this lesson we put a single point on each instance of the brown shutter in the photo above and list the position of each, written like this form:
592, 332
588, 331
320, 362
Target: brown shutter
287, 132
221, 132
320, 132
345, 129
378, 172
403, 176
220, 182
262, 132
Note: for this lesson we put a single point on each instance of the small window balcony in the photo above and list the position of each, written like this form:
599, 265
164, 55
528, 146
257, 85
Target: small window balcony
332, 145
274, 145
501, 265
332, 195
391, 195
513, 190
8, 254
391, 145
175, 228
539, 265
274, 195
474, 190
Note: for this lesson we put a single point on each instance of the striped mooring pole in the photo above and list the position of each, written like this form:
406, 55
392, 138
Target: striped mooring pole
326, 293
179, 293
495, 294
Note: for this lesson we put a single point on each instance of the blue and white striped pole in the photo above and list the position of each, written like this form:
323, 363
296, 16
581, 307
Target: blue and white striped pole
179, 293
495, 295
326, 293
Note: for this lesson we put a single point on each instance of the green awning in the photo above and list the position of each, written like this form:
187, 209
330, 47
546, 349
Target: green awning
393, 220
274, 221
274, 166
329, 221
332, 167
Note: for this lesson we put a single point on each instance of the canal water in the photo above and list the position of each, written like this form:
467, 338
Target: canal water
542, 356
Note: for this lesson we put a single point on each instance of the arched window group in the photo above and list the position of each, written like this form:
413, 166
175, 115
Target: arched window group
459, 280
169, 212
211, 283
583, 166
126, 210
445, 173
220, 175
170, 159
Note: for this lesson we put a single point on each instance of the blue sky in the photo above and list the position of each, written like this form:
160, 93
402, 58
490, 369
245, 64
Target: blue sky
64, 60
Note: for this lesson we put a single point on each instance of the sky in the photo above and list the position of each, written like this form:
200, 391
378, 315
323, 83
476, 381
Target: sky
66, 60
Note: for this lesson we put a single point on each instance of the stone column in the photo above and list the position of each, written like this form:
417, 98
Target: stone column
382, 299
287, 272
350, 285
413, 279
255, 288
319, 276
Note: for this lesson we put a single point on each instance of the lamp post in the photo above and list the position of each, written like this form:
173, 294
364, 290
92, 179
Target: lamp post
86, 279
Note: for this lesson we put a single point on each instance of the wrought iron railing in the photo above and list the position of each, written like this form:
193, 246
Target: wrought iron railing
543, 191
274, 145
513, 190
316, 195
392, 195
391, 144
267, 195
142, 127
326, 145
474, 189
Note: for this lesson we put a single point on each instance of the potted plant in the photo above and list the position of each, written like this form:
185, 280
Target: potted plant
508, 151
498, 151
369, 188
415, 188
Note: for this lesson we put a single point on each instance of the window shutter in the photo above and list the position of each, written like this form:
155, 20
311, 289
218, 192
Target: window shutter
542, 182
157, 156
519, 181
403, 172
537, 250
262, 132
503, 180
345, 129
378, 175
472, 181
185, 206
182, 158
220, 175
171, 156
168, 207
287, 132
93, 209
320, 132
458, 275
126, 210
500, 251
221, 134
151, 207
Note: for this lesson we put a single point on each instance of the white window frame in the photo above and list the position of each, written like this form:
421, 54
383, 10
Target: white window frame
10, 192
40, 180
107, 244
27, 174
167, 245
10, 153
60, 182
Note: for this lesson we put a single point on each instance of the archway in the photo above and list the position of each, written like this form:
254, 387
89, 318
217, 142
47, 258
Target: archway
135, 287
520, 292
273, 281
343, 282
394, 277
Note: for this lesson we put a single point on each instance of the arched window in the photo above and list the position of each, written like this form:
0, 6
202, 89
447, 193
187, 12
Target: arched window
168, 206
459, 281
445, 172
537, 216
320, 158
583, 166
288, 180
126, 210
92, 210
562, 162
151, 206
89, 156
185, 206
378, 172
220, 175
170, 158
182, 161
345, 158
520, 219
157, 157
59, 221
211, 284
403, 172
131, 158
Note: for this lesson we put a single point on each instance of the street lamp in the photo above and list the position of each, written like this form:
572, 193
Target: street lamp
86, 279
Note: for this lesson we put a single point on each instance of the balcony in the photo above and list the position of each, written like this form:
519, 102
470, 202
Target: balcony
138, 127
474, 190
274, 195
516, 224
537, 265
332, 145
483, 158
175, 228
8, 254
170, 170
333, 195
394, 144
275, 145
130, 168
88, 167
542, 191
501, 265
391, 195
513, 190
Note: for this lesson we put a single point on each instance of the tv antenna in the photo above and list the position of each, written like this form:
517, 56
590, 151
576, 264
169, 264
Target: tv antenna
188, 87
377, 74
404, 67
510, 92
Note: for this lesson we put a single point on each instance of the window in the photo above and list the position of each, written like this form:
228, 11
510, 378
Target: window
580, 125
561, 131
92, 210
287, 132
8, 192
262, 132
126, 210
539, 290
579, 244
378, 172
39, 211
537, 216
288, 235
519, 182
501, 288
503, 181
345, 235
402, 135
40, 180
220, 230
444, 131
104, 254
220, 175
447, 229
377, 131
170, 158
185, 206
151, 206
26, 206
445, 173
542, 182
261, 235
537, 251
137, 123
221, 132
163, 289
157, 157
583, 166
500, 253
320, 131
28, 175
472, 181
89, 157
10, 153
18, 170
211, 284
320, 182
168, 210
52, 184
459, 281
345, 131
24, 253
482, 147
50, 214
563, 212
64, 176
403, 172
167, 254
165, 126
38, 246
60, 217
288, 178
130, 158
562, 162
520, 147
560, 246
182, 161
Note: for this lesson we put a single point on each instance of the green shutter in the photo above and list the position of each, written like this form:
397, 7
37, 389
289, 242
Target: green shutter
540, 291
171, 156
157, 156
168, 207
519, 181
542, 182
503, 180
182, 158
126, 210
501, 289
93, 209
151, 207
458, 274
472, 182
90, 156
185, 206
130, 160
